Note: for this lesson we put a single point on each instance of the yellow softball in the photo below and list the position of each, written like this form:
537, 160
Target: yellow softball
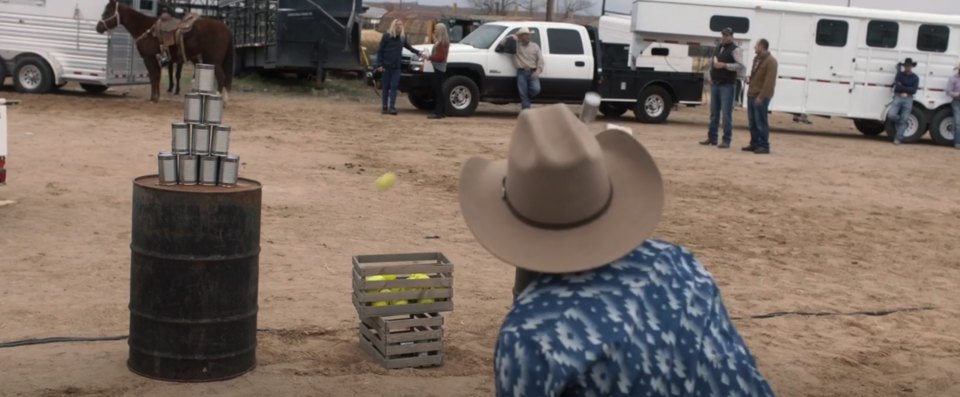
421, 276
386, 181
381, 277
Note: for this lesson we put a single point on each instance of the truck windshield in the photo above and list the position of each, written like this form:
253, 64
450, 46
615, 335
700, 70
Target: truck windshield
484, 36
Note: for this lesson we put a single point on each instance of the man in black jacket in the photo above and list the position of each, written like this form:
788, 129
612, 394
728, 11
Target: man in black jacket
724, 72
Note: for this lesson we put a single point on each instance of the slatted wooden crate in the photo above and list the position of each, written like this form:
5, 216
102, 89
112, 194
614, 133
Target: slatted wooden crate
373, 298
410, 341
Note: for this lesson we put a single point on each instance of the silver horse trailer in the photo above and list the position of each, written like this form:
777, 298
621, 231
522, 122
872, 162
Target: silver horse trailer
45, 44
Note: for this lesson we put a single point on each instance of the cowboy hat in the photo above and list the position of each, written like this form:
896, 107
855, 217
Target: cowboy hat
564, 200
523, 30
909, 61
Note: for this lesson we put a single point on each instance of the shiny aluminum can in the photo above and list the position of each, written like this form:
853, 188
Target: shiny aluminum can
167, 168
220, 143
204, 79
201, 140
213, 109
188, 169
208, 170
181, 138
193, 108
229, 167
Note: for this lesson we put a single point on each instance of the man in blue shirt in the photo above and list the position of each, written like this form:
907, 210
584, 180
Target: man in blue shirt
905, 85
605, 312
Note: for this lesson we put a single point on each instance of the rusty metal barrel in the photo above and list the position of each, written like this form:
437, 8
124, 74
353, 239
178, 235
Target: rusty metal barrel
194, 271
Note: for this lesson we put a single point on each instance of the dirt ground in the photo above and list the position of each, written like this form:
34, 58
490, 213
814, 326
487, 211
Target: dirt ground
830, 222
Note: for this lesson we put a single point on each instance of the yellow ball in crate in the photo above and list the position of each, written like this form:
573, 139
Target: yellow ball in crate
381, 277
421, 276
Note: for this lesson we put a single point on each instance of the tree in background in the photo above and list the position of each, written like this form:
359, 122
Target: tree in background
495, 7
571, 7
532, 6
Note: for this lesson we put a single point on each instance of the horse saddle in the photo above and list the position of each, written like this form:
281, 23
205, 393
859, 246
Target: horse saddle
168, 29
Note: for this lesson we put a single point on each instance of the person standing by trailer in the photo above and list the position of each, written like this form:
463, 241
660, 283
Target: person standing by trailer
438, 57
953, 90
905, 85
763, 80
389, 60
727, 65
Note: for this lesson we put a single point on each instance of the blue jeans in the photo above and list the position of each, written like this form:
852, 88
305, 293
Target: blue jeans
899, 113
721, 98
391, 81
956, 121
528, 87
759, 122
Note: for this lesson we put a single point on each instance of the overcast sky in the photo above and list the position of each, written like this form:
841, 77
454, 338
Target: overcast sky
935, 6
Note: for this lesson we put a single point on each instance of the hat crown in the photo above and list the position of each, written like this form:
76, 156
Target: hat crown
556, 171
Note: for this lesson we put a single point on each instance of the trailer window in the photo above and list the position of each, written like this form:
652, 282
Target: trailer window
882, 34
146, 5
564, 42
933, 38
832, 33
738, 24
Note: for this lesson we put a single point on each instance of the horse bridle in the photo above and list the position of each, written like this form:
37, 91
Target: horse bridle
116, 15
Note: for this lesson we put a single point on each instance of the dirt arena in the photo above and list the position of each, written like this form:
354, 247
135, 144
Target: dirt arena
830, 222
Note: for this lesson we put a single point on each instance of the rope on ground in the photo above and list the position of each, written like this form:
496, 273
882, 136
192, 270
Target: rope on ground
872, 313
60, 339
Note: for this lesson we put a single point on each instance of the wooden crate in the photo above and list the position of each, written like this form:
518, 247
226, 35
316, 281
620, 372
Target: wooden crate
414, 340
368, 296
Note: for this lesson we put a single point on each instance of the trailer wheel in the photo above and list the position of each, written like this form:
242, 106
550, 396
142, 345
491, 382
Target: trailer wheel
32, 75
614, 109
462, 96
94, 88
653, 106
942, 129
916, 126
421, 100
868, 127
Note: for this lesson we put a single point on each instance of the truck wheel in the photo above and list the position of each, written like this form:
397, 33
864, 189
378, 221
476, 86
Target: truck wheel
916, 126
653, 106
462, 96
942, 129
94, 88
868, 127
421, 100
32, 75
613, 109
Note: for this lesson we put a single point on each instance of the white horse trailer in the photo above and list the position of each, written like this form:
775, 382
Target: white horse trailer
615, 29
45, 44
834, 61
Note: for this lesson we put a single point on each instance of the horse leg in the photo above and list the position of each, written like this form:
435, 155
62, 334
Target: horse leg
170, 74
221, 82
179, 71
154, 71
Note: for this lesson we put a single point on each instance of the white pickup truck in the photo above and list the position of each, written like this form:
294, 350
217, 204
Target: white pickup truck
575, 63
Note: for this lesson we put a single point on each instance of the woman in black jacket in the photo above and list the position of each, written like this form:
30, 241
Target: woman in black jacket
389, 58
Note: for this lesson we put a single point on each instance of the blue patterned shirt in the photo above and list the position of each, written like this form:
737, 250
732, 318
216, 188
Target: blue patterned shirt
650, 324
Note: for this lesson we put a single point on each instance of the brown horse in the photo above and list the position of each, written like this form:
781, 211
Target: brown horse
208, 42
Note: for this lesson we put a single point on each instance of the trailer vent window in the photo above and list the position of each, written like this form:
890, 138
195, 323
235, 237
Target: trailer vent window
933, 38
564, 42
738, 24
882, 34
146, 5
832, 33
660, 52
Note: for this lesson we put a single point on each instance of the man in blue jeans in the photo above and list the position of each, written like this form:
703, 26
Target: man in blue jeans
763, 80
953, 90
723, 82
529, 62
905, 85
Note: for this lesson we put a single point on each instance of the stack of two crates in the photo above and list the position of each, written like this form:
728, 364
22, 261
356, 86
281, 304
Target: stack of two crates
400, 298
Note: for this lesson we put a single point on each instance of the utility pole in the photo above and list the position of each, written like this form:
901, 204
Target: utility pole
550, 6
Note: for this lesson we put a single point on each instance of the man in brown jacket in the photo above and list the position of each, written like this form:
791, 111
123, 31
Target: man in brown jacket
763, 80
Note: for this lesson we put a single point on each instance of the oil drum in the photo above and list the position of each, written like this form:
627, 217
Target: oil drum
194, 271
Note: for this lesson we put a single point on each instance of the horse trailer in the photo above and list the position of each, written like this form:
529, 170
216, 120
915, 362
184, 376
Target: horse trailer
834, 61
306, 37
45, 44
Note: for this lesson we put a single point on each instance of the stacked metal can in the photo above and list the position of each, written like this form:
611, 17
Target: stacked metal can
200, 148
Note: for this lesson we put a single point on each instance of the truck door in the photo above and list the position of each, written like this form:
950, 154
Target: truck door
568, 64
501, 78
831, 65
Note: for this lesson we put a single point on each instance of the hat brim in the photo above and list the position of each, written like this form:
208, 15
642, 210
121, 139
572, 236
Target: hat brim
633, 214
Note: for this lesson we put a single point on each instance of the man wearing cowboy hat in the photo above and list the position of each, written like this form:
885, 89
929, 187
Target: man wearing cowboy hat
606, 312
953, 90
905, 85
528, 59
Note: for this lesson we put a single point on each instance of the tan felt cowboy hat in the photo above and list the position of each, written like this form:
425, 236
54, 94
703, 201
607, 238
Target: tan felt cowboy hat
565, 200
524, 30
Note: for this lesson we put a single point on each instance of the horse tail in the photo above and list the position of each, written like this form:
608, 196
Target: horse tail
228, 62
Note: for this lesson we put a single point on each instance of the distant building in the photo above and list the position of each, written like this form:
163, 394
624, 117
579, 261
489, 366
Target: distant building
373, 17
